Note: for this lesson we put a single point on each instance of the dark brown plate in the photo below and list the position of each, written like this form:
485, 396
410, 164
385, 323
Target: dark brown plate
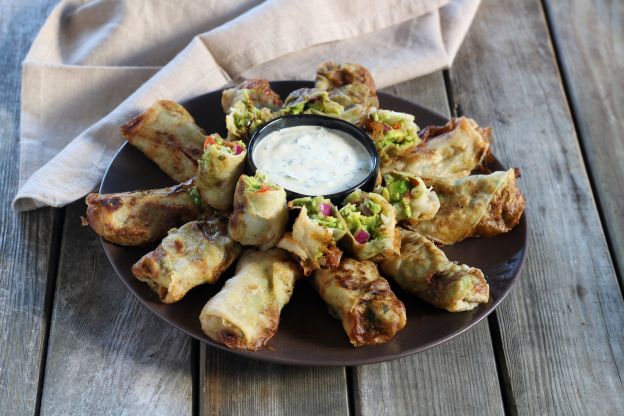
307, 334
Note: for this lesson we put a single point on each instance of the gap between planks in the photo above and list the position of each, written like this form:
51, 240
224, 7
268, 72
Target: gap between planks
575, 111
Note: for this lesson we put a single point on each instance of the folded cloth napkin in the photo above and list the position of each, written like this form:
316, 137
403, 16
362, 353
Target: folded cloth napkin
97, 63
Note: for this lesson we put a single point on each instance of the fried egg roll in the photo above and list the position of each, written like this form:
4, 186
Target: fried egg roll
423, 270
474, 206
194, 254
249, 105
363, 300
167, 134
411, 199
331, 75
219, 168
245, 314
260, 212
316, 230
257, 91
371, 223
392, 132
142, 217
451, 151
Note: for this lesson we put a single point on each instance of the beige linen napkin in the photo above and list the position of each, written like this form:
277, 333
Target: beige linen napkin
95, 64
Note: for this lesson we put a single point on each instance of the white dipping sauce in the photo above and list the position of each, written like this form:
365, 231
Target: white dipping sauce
312, 160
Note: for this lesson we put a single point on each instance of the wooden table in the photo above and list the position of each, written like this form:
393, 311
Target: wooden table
547, 75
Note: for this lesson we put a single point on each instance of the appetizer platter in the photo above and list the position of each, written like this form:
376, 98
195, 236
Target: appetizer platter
311, 223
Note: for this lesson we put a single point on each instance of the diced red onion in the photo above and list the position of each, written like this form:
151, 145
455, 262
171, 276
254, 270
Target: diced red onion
361, 236
386, 127
238, 149
326, 209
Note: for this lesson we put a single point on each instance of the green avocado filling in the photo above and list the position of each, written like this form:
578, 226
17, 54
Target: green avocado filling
223, 145
313, 102
244, 118
393, 129
362, 216
194, 194
399, 191
258, 183
313, 207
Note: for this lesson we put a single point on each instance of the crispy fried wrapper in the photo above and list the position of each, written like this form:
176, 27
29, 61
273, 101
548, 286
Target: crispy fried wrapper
219, 168
474, 206
363, 300
393, 133
451, 151
316, 230
245, 314
260, 212
371, 222
331, 75
411, 199
192, 255
424, 271
142, 217
167, 134
257, 92
249, 105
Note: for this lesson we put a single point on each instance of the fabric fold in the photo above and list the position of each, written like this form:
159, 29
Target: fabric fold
95, 64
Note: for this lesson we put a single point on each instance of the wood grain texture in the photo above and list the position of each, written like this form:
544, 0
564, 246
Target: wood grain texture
107, 353
26, 240
589, 38
233, 385
434, 381
562, 328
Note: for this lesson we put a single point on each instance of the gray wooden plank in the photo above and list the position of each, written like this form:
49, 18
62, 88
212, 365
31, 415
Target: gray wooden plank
589, 38
26, 240
107, 354
562, 327
233, 385
459, 377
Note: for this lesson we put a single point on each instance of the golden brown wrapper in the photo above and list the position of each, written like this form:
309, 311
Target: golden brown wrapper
424, 270
141, 217
245, 314
363, 300
474, 206
259, 216
450, 151
167, 134
194, 254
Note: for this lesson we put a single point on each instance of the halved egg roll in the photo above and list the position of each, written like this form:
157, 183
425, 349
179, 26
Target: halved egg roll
194, 254
249, 105
424, 270
474, 206
258, 92
411, 199
392, 132
167, 134
245, 314
142, 217
363, 300
371, 223
219, 168
260, 212
316, 231
452, 151
331, 75
311, 101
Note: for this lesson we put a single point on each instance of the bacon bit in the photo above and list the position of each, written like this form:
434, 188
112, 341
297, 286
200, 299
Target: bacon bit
396, 125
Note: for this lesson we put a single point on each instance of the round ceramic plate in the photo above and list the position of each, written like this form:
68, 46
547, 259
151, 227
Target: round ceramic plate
307, 334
